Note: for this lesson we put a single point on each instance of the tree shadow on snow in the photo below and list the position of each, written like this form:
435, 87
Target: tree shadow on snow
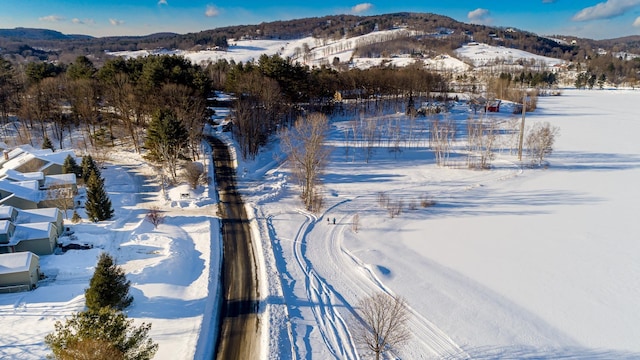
530, 353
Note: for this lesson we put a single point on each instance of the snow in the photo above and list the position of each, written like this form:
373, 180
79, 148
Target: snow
16, 262
173, 268
484, 54
510, 263
513, 262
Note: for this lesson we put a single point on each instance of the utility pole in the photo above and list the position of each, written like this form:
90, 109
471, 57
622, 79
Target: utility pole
521, 139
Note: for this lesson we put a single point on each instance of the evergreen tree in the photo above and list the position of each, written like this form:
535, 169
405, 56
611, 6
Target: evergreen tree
106, 334
70, 166
108, 286
166, 139
46, 143
87, 167
98, 205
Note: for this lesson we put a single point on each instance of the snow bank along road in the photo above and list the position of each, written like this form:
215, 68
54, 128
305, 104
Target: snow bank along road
239, 326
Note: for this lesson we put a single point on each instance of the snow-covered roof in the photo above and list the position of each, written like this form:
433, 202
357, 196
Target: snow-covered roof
28, 190
16, 262
60, 179
21, 155
4, 226
31, 231
37, 215
15, 175
6, 211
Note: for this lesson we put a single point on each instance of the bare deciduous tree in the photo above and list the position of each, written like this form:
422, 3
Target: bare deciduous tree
193, 173
304, 146
382, 323
540, 141
355, 224
155, 216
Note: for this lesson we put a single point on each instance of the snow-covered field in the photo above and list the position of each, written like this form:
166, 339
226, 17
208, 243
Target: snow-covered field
510, 263
484, 54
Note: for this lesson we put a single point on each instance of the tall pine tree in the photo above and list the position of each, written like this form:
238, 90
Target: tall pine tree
108, 286
46, 143
166, 140
87, 167
98, 205
70, 166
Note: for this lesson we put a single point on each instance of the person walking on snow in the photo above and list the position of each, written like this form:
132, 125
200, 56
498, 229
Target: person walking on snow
334, 221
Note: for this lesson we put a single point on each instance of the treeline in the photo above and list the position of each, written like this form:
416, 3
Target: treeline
273, 92
109, 105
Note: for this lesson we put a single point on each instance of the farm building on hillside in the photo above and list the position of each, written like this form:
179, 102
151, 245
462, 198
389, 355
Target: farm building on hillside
19, 272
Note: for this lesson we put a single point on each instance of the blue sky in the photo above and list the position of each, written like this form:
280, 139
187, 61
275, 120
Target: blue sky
599, 19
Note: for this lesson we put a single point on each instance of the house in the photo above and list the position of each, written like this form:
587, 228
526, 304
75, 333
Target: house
19, 271
51, 215
20, 194
26, 159
39, 238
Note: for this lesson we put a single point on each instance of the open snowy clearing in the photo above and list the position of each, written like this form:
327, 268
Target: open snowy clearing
510, 263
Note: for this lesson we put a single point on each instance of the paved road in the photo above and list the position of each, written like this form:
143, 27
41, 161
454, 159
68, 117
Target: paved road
238, 335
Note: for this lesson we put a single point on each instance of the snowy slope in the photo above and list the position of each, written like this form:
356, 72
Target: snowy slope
484, 54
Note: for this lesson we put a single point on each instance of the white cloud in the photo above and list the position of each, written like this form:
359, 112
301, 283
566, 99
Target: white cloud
162, 2
51, 18
211, 11
116, 22
606, 10
637, 22
361, 8
478, 15
77, 21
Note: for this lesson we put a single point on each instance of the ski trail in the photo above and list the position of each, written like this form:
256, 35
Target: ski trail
332, 326
362, 281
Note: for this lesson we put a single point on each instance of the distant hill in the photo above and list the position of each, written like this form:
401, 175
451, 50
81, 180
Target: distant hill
38, 34
432, 33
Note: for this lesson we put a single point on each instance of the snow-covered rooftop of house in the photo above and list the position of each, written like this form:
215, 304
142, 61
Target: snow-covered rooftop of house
37, 215
59, 179
28, 190
16, 262
4, 226
30, 231
6, 212
15, 175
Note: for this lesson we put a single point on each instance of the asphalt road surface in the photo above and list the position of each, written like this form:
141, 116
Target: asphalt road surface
238, 334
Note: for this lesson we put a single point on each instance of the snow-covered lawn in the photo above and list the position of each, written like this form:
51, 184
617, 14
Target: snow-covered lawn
169, 268
510, 263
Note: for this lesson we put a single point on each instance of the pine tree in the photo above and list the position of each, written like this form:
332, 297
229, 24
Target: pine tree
108, 286
105, 334
70, 166
98, 205
166, 140
46, 143
87, 166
